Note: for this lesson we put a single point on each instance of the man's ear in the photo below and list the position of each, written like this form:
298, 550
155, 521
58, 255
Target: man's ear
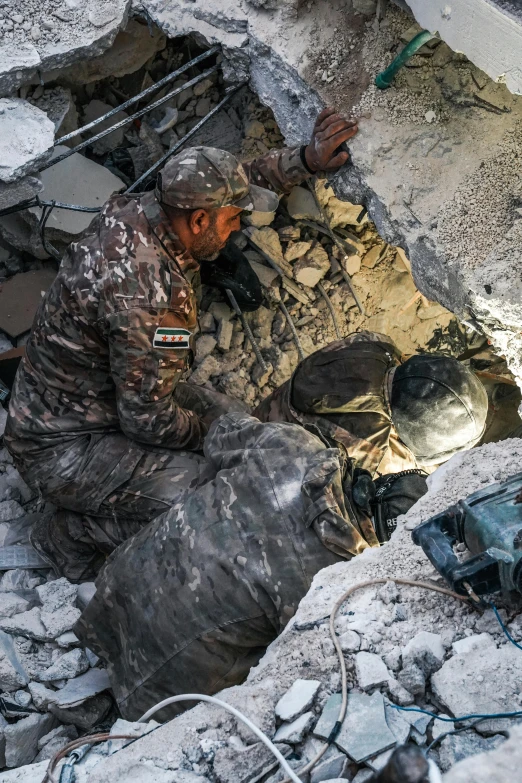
199, 221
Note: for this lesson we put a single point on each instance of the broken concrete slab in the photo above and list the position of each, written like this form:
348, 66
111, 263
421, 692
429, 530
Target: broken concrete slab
329, 716
294, 731
75, 180
70, 665
21, 190
93, 111
56, 594
467, 743
365, 732
69, 34
12, 672
426, 651
22, 738
85, 715
81, 688
26, 138
334, 766
371, 671
20, 298
297, 699
478, 683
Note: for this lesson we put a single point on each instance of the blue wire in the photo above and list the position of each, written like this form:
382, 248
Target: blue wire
460, 718
501, 623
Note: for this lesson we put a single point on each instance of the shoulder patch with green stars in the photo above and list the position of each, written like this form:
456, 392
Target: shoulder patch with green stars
172, 338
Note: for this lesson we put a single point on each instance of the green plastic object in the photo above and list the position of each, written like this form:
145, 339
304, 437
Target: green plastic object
385, 79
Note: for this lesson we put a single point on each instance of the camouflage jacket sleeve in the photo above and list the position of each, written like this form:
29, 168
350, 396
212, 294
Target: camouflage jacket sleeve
278, 170
146, 376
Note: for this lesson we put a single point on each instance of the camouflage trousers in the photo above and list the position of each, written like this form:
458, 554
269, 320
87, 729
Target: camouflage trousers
108, 487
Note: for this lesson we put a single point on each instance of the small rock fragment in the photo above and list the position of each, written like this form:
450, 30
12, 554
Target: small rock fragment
412, 679
466, 645
56, 594
371, 671
373, 256
11, 604
294, 732
297, 699
207, 323
312, 267
204, 347
296, 249
350, 641
86, 715
69, 665
224, 335
426, 651
21, 738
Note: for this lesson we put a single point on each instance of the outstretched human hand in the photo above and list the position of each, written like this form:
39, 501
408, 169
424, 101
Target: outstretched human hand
330, 131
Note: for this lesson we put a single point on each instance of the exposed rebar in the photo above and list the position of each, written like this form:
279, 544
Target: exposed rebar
320, 288
175, 147
337, 242
246, 326
143, 94
290, 323
129, 119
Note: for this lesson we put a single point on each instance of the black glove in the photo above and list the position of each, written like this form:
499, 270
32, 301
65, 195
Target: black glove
232, 270
395, 495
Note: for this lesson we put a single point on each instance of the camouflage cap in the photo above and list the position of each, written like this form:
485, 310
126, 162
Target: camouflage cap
207, 178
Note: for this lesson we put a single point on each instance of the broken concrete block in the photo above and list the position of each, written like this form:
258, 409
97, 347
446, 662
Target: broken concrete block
57, 622
426, 651
12, 673
21, 738
86, 715
41, 695
350, 641
294, 732
351, 264
371, 671
204, 347
70, 665
464, 646
372, 257
207, 323
400, 695
342, 213
441, 727
334, 766
297, 699
312, 267
224, 335
397, 722
11, 604
467, 743
302, 205
93, 111
479, 683
75, 180
67, 639
208, 367
54, 741
329, 716
27, 624
412, 679
364, 732
221, 311
81, 688
296, 249
22, 190
57, 594
9, 510
21, 152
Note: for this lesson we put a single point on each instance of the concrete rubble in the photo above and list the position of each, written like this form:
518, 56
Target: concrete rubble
293, 694
433, 165
433, 160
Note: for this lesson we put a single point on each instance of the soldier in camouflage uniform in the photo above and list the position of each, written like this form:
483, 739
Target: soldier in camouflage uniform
99, 421
222, 572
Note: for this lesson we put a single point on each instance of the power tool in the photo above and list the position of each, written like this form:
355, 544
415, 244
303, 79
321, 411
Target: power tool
489, 523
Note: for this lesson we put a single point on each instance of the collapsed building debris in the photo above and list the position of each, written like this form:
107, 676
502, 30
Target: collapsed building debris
325, 272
